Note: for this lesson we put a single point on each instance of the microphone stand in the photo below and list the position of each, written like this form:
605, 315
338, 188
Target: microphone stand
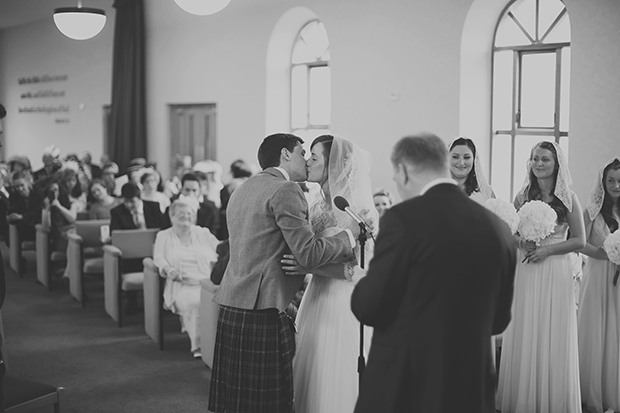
361, 362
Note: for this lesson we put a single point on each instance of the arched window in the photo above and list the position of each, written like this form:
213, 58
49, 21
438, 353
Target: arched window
531, 76
311, 82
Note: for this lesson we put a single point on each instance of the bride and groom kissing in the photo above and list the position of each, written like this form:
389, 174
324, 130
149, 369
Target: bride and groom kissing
259, 367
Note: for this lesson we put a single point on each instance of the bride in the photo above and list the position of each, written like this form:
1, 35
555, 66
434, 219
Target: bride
325, 365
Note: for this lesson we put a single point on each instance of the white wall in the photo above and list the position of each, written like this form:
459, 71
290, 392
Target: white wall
595, 89
40, 49
396, 70
378, 48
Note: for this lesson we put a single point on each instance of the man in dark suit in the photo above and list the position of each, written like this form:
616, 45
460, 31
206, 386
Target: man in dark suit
25, 206
134, 213
439, 285
207, 215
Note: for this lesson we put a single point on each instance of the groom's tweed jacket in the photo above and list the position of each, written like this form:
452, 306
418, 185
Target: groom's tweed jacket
268, 217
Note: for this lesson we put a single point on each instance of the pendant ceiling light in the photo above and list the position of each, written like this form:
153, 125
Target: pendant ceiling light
79, 23
202, 7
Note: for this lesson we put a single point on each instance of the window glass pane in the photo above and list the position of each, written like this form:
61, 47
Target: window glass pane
301, 53
315, 36
523, 149
548, 11
564, 146
500, 166
509, 34
561, 31
565, 89
538, 89
320, 95
308, 135
525, 12
299, 97
502, 90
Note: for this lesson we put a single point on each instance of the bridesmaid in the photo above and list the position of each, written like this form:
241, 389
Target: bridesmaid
539, 367
599, 304
466, 170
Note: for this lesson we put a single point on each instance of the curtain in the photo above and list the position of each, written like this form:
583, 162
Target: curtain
128, 110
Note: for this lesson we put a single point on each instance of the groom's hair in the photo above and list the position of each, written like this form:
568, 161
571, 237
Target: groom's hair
271, 148
423, 152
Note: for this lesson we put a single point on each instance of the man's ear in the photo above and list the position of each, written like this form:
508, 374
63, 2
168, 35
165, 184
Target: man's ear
285, 154
406, 173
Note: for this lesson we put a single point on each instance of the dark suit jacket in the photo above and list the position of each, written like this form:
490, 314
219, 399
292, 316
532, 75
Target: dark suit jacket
121, 218
207, 216
439, 285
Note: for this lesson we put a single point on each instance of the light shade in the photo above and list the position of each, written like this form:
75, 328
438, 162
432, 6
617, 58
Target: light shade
79, 23
202, 7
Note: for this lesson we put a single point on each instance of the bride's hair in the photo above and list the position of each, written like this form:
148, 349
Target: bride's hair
327, 141
534, 192
608, 202
471, 183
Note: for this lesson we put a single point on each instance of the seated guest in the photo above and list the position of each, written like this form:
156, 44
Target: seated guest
59, 215
134, 213
25, 206
185, 254
108, 176
207, 216
19, 163
210, 180
71, 184
150, 181
240, 172
91, 170
51, 163
4, 205
102, 202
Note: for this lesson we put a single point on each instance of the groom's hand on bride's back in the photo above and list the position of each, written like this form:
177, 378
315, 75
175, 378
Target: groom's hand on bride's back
291, 266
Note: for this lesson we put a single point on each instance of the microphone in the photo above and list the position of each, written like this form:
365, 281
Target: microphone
343, 205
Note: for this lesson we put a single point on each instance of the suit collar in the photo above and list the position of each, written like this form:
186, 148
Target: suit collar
436, 182
277, 172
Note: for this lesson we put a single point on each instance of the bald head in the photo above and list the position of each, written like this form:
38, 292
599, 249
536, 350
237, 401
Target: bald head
418, 160
424, 152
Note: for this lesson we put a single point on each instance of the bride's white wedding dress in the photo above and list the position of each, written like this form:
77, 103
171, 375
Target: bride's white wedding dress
325, 364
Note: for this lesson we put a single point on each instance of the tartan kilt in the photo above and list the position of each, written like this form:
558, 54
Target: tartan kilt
253, 362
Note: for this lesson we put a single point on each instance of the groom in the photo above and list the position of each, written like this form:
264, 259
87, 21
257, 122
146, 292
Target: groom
267, 217
439, 285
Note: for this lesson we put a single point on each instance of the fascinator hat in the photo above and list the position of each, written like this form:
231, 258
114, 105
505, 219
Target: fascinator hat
563, 180
597, 196
483, 186
52, 150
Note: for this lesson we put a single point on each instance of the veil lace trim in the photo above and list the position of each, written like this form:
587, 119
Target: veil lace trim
597, 196
349, 177
563, 182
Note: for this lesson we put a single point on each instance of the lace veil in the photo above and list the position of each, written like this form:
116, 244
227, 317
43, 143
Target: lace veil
349, 177
597, 196
563, 182
483, 185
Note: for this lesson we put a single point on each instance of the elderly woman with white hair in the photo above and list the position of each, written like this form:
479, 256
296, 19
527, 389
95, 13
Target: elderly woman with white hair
185, 254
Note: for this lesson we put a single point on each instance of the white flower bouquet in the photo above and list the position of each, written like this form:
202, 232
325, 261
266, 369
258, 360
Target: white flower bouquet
612, 248
536, 221
506, 211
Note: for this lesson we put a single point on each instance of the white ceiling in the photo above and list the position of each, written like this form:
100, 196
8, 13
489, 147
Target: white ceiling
18, 12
